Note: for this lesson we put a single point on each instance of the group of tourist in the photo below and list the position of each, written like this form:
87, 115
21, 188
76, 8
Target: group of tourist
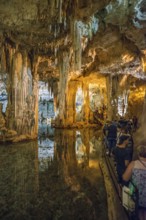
119, 143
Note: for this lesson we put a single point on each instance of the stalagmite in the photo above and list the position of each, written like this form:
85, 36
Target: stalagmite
70, 103
64, 71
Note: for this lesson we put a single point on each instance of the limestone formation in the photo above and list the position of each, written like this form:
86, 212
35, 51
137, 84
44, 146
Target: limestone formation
72, 44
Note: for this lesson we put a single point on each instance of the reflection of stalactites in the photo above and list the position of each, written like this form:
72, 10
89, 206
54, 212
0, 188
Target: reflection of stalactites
36, 168
85, 137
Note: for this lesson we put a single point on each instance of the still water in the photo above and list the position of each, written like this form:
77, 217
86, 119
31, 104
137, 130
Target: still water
57, 177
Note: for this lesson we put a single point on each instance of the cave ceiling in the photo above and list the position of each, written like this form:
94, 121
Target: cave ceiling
112, 34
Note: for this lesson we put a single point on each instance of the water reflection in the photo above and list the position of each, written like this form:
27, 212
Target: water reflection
57, 177
19, 183
45, 146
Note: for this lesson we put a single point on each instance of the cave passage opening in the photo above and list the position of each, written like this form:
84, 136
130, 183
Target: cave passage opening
45, 109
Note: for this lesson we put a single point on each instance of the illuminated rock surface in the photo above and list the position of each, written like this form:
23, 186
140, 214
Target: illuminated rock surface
70, 45
91, 55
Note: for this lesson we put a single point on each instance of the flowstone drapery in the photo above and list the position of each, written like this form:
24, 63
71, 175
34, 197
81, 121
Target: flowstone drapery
22, 110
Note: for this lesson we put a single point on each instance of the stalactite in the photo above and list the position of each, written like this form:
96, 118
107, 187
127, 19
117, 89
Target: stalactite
55, 94
50, 28
65, 23
123, 94
76, 36
55, 32
52, 7
56, 61
60, 12
57, 3
81, 34
109, 87
55, 51
50, 86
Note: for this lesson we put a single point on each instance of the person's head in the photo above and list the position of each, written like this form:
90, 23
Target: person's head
124, 138
141, 149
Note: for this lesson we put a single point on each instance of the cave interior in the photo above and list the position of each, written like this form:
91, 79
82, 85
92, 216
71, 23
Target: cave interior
90, 54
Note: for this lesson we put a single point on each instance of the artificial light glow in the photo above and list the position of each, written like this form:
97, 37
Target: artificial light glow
127, 58
143, 64
94, 164
144, 52
123, 80
92, 54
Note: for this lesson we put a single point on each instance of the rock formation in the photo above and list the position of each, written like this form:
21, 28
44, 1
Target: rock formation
72, 44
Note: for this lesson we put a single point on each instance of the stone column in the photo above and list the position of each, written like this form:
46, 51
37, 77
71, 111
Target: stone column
22, 112
114, 90
70, 103
112, 93
62, 87
108, 86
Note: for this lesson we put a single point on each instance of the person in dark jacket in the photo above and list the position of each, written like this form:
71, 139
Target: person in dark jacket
122, 158
105, 132
111, 137
130, 145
